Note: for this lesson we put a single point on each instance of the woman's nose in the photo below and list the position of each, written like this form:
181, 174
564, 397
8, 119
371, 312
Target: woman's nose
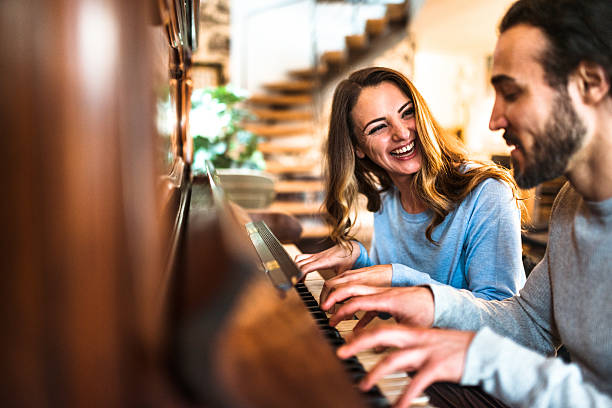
401, 132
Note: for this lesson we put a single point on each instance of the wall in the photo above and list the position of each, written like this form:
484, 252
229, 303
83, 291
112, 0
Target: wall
269, 37
453, 46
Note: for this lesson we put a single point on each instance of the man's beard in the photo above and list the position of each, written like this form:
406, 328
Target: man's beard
562, 137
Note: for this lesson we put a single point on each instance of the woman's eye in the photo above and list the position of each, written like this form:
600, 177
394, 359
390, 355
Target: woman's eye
376, 129
408, 112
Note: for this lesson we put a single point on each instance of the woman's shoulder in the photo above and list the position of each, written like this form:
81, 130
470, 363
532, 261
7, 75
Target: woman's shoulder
489, 188
493, 196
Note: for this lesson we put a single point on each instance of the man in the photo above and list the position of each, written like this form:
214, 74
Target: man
552, 73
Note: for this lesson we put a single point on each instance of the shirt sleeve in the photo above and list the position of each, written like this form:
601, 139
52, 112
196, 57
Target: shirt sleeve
492, 250
522, 377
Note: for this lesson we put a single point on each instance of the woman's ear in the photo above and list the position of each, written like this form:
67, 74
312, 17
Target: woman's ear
360, 154
592, 82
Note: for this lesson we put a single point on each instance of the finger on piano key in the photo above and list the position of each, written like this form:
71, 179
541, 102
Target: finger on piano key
393, 385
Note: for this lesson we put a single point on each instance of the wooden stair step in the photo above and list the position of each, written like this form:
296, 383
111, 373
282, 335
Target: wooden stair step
275, 148
265, 99
375, 27
397, 13
298, 186
334, 58
296, 207
356, 42
277, 130
280, 168
291, 86
309, 73
275, 114
315, 231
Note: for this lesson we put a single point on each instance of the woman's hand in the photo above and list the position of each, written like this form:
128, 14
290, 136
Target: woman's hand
335, 258
435, 355
377, 275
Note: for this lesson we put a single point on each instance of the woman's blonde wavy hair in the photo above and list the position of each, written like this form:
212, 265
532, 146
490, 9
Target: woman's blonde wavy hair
440, 183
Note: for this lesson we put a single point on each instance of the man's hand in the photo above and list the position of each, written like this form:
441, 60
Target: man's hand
435, 355
378, 275
336, 258
413, 306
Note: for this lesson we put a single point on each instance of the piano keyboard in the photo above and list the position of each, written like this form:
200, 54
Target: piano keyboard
391, 386
282, 271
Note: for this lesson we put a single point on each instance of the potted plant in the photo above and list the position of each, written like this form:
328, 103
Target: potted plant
215, 125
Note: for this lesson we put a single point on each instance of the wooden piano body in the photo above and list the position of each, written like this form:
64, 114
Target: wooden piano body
124, 282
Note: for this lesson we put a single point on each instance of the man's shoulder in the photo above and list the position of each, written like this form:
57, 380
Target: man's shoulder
566, 197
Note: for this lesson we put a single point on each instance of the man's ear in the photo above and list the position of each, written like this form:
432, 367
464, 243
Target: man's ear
360, 154
592, 81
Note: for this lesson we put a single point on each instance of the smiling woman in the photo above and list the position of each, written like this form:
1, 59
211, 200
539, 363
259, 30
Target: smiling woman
439, 218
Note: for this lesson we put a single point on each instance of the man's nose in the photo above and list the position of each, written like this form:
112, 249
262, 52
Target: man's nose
498, 119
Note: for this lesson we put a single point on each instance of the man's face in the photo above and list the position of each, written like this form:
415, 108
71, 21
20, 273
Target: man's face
540, 122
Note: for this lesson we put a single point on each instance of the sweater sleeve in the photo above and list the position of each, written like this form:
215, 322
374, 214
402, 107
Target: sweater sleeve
527, 318
524, 378
403, 275
364, 259
492, 249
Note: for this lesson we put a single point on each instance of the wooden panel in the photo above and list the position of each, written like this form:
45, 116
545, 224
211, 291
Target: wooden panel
79, 140
236, 341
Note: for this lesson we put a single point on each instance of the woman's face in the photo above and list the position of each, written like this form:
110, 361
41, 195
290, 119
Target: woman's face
385, 126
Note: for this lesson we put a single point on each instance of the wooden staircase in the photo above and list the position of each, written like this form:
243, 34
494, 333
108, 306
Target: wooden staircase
286, 121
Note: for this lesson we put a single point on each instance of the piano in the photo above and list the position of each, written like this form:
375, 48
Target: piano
127, 280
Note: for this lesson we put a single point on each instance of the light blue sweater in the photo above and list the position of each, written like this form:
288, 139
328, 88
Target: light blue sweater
479, 243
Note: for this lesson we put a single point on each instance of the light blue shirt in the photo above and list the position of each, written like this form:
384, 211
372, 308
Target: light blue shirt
479, 243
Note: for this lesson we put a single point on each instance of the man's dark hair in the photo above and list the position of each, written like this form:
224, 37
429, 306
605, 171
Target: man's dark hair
577, 30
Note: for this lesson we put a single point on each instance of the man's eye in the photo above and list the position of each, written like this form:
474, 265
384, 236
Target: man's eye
510, 97
376, 129
510, 94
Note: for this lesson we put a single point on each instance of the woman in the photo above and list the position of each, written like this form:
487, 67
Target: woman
438, 218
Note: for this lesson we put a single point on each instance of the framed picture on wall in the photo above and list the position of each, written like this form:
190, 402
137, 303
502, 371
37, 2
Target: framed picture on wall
207, 74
